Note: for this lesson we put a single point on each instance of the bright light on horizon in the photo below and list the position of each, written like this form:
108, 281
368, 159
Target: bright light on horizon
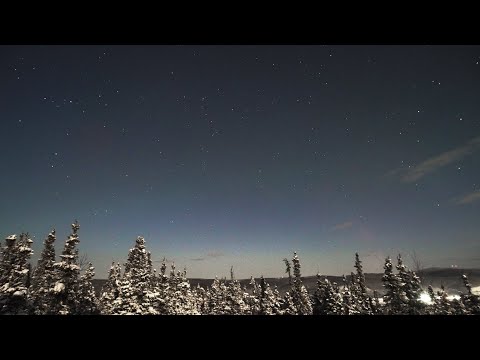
425, 298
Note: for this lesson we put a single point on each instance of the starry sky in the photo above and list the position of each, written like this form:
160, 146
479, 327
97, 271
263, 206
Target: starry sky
239, 155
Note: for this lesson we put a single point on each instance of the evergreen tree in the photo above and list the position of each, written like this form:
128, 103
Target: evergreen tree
44, 278
111, 290
360, 276
326, 300
361, 298
88, 303
431, 309
217, 303
14, 271
181, 300
253, 300
443, 306
299, 293
470, 300
278, 300
28, 282
247, 300
349, 304
440, 305
235, 296
457, 307
410, 289
7, 260
288, 270
68, 273
393, 299
319, 297
201, 301
288, 305
162, 287
136, 292
269, 303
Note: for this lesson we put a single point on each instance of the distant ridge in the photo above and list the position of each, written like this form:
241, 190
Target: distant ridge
451, 278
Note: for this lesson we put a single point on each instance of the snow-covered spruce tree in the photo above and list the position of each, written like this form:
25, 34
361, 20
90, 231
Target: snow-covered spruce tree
181, 299
170, 299
162, 288
410, 289
28, 282
189, 300
208, 301
222, 303
68, 273
393, 300
264, 301
235, 296
288, 305
154, 300
278, 300
470, 300
360, 276
44, 278
7, 259
88, 303
14, 275
359, 302
216, 295
361, 297
354, 291
201, 299
299, 293
431, 308
337, 292
318, 297
326, 299
288, 270
111, 290
349, 301
253, 299
269, 303
443, 305
247, 300
135, 290
23, 272
347, 306
457, 307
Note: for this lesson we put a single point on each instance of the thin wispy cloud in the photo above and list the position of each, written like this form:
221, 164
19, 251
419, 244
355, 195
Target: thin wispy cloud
437, 162
342, 226
211, 254
215, 254
469, 198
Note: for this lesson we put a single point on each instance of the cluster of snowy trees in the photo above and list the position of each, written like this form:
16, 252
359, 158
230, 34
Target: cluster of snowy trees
53, 288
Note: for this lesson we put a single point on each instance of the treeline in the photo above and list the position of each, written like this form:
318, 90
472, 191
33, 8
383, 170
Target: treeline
61, 288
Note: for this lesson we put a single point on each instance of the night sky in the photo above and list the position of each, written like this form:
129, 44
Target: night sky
240, 155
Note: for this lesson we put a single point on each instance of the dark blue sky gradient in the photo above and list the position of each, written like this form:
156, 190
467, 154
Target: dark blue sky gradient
239, 155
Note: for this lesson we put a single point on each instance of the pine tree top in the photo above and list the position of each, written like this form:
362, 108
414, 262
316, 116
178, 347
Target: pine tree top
11, 238
75, 227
